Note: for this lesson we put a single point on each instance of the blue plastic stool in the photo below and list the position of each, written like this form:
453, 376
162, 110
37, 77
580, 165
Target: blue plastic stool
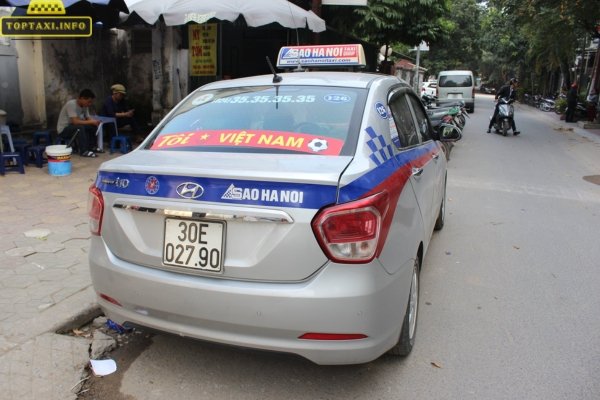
23, 150
18, 163
39, 135
123, 142
36, 153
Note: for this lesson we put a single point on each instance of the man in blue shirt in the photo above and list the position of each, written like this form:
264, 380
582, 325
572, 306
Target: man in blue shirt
116, 106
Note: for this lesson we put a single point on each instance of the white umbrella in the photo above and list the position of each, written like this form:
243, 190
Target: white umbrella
255, 12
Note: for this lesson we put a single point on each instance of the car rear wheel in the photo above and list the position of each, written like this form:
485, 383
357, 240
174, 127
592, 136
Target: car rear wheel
409, 325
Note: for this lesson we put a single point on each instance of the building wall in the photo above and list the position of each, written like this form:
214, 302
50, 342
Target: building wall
31, 82
96, 63
9, 79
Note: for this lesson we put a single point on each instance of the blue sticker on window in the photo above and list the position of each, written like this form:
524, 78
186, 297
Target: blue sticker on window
381, 110
337, 98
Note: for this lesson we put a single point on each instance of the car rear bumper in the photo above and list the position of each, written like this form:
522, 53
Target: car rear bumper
346, 299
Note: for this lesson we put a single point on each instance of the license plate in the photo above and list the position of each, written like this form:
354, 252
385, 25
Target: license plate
455, 95
194, 244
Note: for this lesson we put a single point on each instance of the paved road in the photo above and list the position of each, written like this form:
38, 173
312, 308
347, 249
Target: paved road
509, 301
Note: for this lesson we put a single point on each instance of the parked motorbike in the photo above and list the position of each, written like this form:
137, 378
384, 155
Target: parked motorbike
455, 114
504, 119
428, 100
546, 104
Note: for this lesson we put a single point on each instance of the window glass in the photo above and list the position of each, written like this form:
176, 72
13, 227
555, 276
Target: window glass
422, 120
404, 121
455, 81
266, 119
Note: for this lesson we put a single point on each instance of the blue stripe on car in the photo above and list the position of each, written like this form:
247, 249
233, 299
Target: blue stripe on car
230, 191
260, 193
359, 187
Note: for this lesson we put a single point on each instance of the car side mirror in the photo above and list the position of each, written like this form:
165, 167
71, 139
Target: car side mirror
448, 133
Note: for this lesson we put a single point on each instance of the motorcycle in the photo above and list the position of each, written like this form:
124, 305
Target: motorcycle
428, 100
455, 114
546, 104
504, 119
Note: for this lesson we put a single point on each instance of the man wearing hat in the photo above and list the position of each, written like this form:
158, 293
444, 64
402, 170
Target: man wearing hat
116, 106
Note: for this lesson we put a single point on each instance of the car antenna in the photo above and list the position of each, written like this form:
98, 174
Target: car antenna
276, 78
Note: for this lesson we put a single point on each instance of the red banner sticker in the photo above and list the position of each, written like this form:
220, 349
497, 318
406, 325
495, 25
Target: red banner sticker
298, 142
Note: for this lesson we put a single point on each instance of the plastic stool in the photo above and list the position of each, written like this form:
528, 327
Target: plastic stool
124, 144
23, 150
16, 157
5, 130
36, 153
45, 135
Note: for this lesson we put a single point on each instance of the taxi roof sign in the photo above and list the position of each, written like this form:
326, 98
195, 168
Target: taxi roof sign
334, 55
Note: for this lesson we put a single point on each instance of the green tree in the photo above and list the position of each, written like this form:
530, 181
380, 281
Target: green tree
459, 47
548, 33
386, 22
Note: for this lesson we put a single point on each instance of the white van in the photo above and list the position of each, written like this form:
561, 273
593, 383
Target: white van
456, 85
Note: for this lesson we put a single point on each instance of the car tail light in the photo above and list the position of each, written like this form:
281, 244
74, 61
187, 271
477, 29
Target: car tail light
95, 210
351, 232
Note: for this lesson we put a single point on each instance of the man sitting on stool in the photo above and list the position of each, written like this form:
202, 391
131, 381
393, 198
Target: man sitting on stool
74, 119
116, 106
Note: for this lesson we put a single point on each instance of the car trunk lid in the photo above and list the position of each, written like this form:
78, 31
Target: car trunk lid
261, 205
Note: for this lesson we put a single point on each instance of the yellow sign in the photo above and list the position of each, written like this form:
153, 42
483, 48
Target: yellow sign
46, 19
48, 7
203, 49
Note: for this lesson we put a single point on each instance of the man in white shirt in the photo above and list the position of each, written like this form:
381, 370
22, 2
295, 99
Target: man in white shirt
75, 119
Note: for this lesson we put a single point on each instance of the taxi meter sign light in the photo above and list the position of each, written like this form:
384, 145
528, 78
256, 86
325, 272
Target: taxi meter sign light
48, 7
338, 55
46, 19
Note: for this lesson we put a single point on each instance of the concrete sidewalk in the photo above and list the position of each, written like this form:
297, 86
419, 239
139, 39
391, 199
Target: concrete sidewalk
582, 127
44, 280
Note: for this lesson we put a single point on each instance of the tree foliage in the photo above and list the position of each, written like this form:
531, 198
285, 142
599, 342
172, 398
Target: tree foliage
459, 47
534, 40
384, 22
545, 39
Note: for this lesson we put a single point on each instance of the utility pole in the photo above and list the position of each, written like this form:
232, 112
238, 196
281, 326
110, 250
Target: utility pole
316, 8
421, 47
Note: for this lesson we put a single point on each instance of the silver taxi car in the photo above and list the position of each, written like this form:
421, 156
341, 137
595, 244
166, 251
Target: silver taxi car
287, 212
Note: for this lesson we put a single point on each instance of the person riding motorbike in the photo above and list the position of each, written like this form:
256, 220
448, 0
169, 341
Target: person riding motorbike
509, 92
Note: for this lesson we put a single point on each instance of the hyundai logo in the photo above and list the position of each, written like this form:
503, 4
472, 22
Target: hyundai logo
190, 190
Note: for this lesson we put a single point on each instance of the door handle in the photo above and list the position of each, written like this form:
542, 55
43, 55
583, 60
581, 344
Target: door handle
417, 171
436, 156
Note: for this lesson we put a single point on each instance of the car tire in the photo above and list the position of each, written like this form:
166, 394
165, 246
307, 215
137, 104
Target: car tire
409, 325
441, 219
471, 110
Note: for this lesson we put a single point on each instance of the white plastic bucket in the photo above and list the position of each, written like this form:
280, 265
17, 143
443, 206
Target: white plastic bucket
59, 159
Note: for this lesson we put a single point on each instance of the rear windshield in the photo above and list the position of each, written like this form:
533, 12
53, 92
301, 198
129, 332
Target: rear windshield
265, 119
455, 80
